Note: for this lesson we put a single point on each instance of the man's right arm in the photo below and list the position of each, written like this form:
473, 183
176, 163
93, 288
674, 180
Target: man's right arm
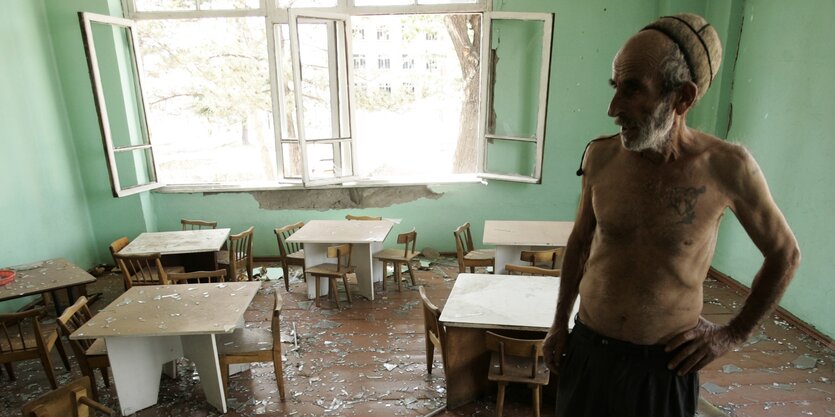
574, 261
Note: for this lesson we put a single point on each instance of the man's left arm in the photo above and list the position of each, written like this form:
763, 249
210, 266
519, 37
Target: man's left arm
759, 215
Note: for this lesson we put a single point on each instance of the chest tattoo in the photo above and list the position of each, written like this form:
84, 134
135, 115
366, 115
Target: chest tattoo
683, 201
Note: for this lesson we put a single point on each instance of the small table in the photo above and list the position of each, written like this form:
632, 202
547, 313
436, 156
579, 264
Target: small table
194, 249
367, 237
149, 326
479, 302
46, 276
513, 236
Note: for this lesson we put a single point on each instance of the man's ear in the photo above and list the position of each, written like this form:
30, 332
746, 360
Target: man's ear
687, 94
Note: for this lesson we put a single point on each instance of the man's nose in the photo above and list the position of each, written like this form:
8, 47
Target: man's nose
614, 106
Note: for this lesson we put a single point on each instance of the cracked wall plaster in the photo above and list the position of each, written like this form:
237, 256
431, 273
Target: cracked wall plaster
341, 198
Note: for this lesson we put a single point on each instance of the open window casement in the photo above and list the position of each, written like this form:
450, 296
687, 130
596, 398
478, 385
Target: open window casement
114, 75
320, 50
515, 72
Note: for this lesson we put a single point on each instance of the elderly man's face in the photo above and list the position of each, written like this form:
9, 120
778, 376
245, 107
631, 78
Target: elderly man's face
643, 112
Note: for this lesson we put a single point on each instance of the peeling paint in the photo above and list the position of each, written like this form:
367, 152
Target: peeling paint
341, 198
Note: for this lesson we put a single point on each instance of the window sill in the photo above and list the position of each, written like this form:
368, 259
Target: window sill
361, 183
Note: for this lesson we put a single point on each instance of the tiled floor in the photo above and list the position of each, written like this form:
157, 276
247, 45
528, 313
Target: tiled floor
369, 359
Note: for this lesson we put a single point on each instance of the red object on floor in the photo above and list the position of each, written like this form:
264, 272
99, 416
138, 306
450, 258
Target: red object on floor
6, 276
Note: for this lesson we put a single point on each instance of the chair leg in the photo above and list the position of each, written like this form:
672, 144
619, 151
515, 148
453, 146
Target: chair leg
47, 367
411, 273
316, 296
536, 395
332, 283
430, 352
62, 353
279, 372
104, 377
347, 290
224, 376
385, 274
10, 370
500, 399
286, 276
397, 276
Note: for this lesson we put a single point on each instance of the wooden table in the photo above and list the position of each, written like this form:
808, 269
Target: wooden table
46, 276
193, 249
367, 237
149, 326
511, 304
511, 237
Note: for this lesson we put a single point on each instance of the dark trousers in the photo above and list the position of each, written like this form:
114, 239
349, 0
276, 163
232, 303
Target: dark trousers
601, 376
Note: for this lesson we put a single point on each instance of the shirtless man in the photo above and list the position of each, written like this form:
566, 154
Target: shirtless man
645, 232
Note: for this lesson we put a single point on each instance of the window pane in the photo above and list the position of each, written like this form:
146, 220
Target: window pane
286, 91
118, 79
164, 5
228, 4
422, 106
517, 45
322, 56
382, 2
292, 158
135, 167
208, 97
447, 1
305, 3
511, 157
328, 160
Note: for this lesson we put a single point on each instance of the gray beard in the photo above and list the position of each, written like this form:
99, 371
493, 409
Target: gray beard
654, 133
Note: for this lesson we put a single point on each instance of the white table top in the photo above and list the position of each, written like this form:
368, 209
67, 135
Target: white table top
43, 276
526, 233
172, 310
342, 231
176, 242
514, 302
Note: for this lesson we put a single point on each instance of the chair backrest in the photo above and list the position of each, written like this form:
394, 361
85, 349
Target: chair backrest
432, 320
116, 246
21, 335
240, 252
548, 258
275, 327
408, 240
352, 217
342, 253
463, 240
200, 277
70, 400
197, 224
70, 320
282, 233
142, 269
508, 346
531, 270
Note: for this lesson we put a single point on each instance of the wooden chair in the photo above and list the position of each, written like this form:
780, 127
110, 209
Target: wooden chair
91, 354
239, 255
397, 257
516, 360
253, 344
468, 255
531, 270
352, 217
198, 277
144, 269
116, 246
549, 258
433, 329
292, 253
70, 400
24, 336
333, 272
197, 224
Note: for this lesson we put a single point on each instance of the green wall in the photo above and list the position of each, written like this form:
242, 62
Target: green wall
782, 111
776, 88
43, 209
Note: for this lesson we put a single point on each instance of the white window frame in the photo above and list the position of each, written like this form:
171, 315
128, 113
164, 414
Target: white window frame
275, 16
110, 149
487, 95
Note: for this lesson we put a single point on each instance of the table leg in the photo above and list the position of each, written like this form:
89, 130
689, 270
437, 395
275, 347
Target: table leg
202, 350
136, 364
315, 254
467, 362
369, 270
506, 254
